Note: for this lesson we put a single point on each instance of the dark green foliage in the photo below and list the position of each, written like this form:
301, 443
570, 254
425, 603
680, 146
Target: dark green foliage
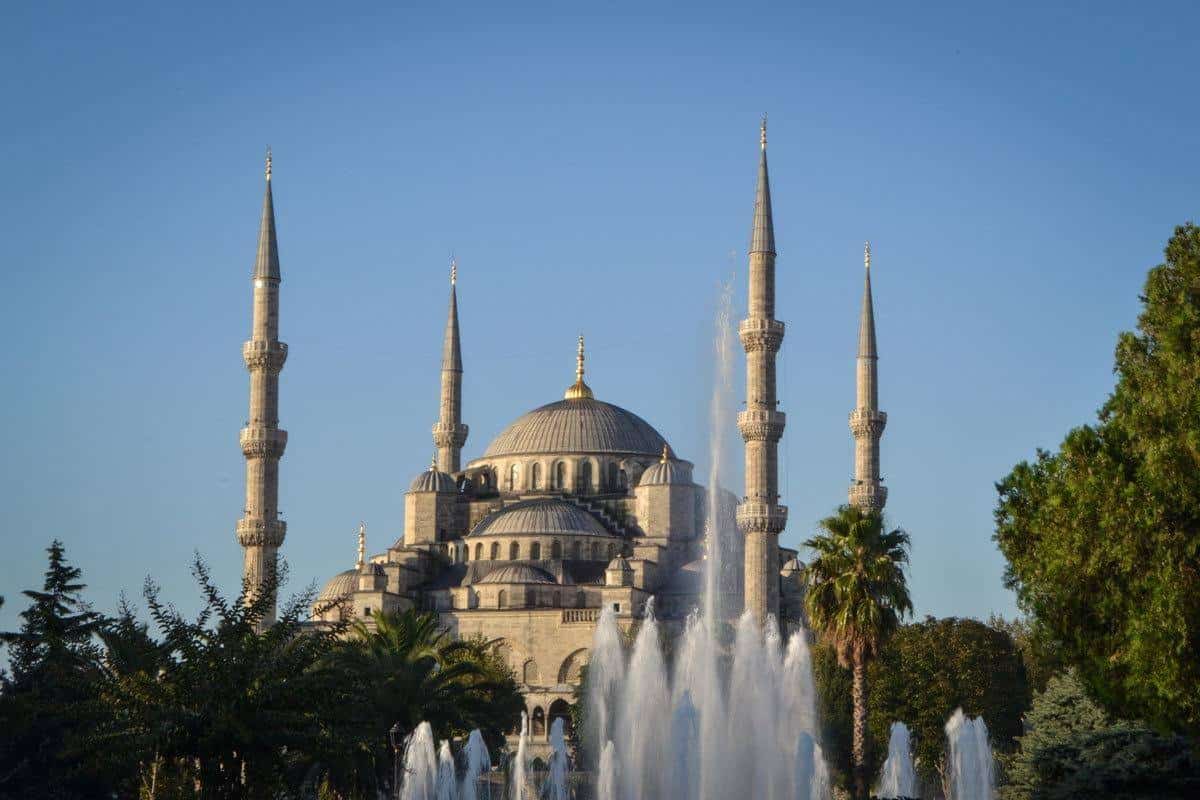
835, 710
1041, 656
1102, 537
1073, 750
55, 662
930, 668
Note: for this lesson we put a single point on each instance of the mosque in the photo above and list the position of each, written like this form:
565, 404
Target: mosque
577, 506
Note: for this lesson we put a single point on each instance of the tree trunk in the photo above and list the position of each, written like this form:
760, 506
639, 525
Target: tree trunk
860, 724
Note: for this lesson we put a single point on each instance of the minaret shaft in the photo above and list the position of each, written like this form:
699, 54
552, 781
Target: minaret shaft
260, 531
866, 420
449, 434
760, 516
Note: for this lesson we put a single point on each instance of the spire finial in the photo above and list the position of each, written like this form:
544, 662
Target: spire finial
867, 254
433, 462
763, 132
362, 545
268, 169
453, 271
666, 454
579, 390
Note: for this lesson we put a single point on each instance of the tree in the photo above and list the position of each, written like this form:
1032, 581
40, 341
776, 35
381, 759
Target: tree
1039, 653
1073, 749
404, 668
1102, 537
930, 668
857, 594
55, 663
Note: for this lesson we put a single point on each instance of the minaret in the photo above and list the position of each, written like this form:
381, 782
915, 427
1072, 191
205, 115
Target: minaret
260, 531
449, 434
759, 516
866, 420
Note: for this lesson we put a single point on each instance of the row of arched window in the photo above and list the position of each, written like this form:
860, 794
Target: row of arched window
495, 551
558, 477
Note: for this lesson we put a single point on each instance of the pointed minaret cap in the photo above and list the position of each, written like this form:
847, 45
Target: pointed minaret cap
451, 347
579, 390
762, 234
266, 263
866, 325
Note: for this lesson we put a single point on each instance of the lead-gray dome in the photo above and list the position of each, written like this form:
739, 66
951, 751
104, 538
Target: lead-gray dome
669, 471
579, 425
518, 573
431, 480
548, 517
339, 586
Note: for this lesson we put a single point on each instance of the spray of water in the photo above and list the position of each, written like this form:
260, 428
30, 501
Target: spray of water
520, 766
970, 764
420, 765
555, 787
479, 761
720, 419
898, 778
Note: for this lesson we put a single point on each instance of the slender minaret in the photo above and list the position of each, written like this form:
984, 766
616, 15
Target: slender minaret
260, 531
759, 516
866, 420
449, 434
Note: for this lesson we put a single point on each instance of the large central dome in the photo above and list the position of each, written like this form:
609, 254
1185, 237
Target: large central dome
578, 425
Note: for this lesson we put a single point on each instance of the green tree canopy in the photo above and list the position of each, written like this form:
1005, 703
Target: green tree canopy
930, 668
1102, 537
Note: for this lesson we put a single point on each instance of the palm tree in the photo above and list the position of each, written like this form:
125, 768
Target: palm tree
857, 594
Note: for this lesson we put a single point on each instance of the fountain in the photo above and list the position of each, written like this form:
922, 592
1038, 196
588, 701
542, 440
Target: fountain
898, 779
969, 763
479, 761
556, 778
420, 765
520, 765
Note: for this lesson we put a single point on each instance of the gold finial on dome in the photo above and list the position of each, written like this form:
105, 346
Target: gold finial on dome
579, 390
433, 462
666, 454
362, 545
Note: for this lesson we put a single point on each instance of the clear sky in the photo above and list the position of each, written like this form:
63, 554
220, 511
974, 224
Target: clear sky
1017, 167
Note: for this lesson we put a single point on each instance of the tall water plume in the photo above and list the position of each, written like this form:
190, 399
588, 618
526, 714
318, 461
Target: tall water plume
898, 778
720, 421
445, 788
970, 765
479, 761
519, 765
419, 781
556, 779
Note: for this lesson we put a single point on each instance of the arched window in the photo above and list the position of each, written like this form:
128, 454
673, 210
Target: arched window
560, 709
575, 549
536, 482
495, 551
560, 476
556, 549
502, 599
585, 477
613, 482
595, 551
530, 672
514, 551
612, 552
479, 552
535, 551
538, 724
622, 479
514, 478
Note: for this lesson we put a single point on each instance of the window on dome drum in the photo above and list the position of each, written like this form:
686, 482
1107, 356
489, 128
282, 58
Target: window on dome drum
560, 476
479, 552
502, 599
575, 550
535, 551
556, 549
536, 482
612, 552
613, 481
514, 551
513, 478
585, 477
495, 551
595, 551
622, 479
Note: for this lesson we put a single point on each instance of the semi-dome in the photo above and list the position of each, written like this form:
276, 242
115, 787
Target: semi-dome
518, 573
431, 480
339, 586
668, 470
577, 425
544, 516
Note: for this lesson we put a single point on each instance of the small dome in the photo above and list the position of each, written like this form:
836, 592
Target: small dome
431, 480
792, 566
544, 516
518, 573
341, 585
668, 470
619, 563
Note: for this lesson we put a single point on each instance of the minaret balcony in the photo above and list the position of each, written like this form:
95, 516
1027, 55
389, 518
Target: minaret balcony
261, 532
757, 334
264, 354
758, 425
259, 441
757, 517
865, 422
870, 496
449, 435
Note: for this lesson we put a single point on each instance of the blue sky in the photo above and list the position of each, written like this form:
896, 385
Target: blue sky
1017, 168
